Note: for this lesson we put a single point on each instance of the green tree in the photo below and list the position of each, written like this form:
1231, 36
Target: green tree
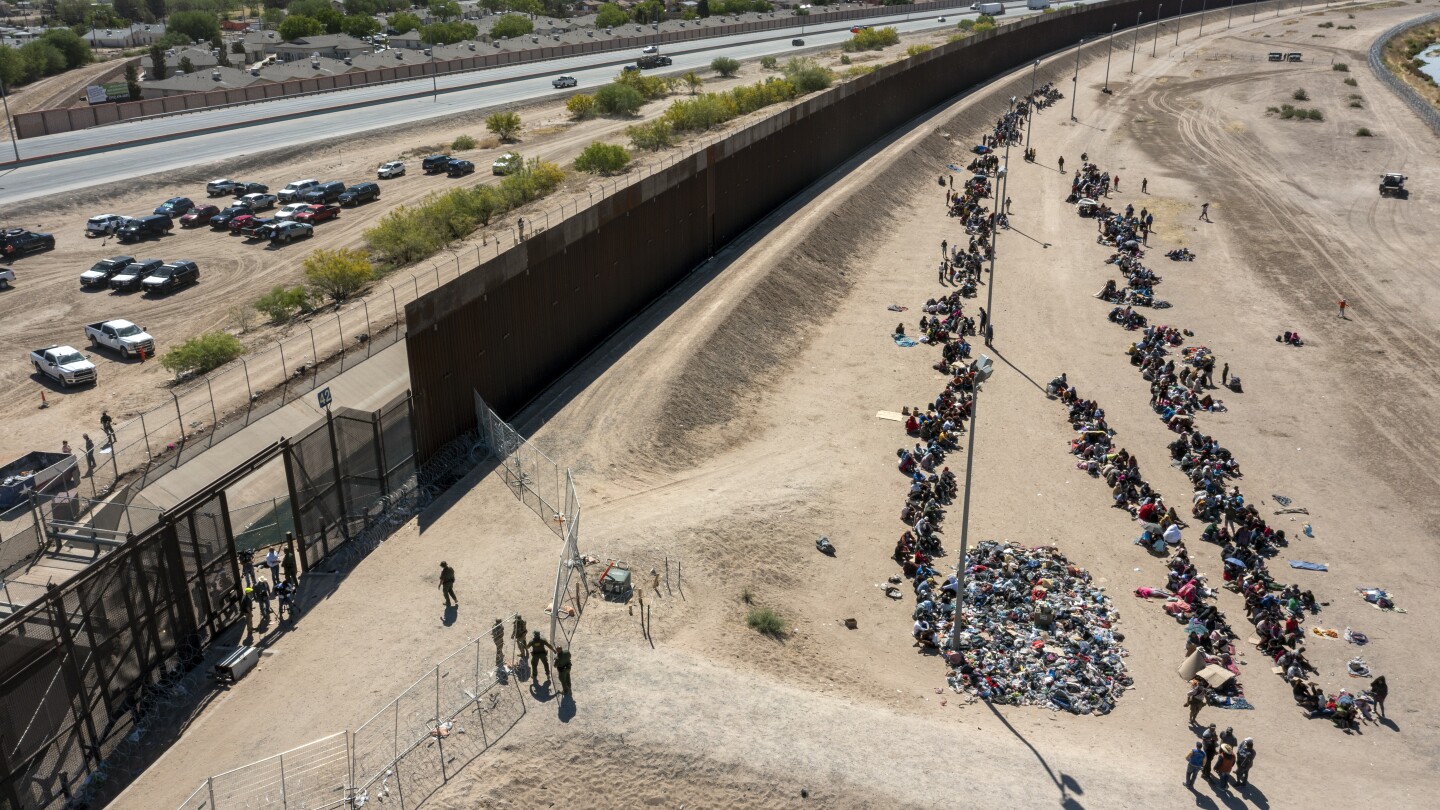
186, 66
333, 20
404, 22
447, 33
237, 47
175, 39
525, 6
41, 59
280, 304
446, 10
12, 66
338, 274
602, 158
308, 8
222, 54
649, 11
653, 136
725, 66
693, 81
273, 17
69, 43
491, 6
610, 15
199, 26
580, 106
363, 8
360, 26
298, 26
703, 9
132, 80
201, 354
618, 99
505, 125
511, 25
158, 70
156, 8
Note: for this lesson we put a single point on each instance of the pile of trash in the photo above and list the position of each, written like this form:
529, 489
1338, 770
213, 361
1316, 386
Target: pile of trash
1037, 632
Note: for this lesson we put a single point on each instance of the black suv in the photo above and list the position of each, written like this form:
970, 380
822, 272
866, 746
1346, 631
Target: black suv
360, 193
155, 225
222, 219
436, 164
324, 194
130, 276
172, 276
18, 240
99, 275
459, 168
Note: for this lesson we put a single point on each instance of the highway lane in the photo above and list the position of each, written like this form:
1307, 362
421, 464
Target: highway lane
113, 160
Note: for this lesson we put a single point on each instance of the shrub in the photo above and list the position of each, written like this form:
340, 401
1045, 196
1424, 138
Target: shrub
1351, 82
860, 70
693, 81
511, 25
765, 621
1314, 115
1300, 95
203, 353
1357, 104
618, 99
807, 75
338, 274
68, 43
871, 39
1326, 25
985, 19
462, 143
1364, 132
505, 125
966, 25
602, 158
1341, 67
844, 60
580, 106
280, 304
651, 137
916, 50
650, 87
769, 62
982, 27
725, 66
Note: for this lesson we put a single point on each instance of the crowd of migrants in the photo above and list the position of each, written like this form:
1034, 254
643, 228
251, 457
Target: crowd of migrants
1035, 629
1178, 391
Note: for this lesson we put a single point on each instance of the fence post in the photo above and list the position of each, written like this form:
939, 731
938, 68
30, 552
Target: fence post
340, 327
368, 337
249, 393
179, 417
210, 788
339, 477
284, 800
314, 352
214, 418
394, 299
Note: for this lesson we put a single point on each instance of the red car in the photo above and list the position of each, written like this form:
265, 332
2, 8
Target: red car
199, 215
239, 222
318, 214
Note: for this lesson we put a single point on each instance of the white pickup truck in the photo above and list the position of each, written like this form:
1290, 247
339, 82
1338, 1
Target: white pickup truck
7, 276
121, 336
64, 364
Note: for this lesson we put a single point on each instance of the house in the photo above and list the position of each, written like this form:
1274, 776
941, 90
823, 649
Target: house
409, 40
333, 46
219, 78
139, 35
260, 44
200, 58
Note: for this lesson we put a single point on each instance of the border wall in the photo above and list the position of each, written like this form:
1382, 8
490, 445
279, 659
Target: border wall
524, 318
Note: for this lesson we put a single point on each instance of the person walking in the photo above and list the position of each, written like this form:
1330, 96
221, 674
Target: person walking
1205, 212
497, 634
247, 607
944, 248
539, 656
108, 425
1115, 181
1210, 742
1343, 305
1195, 699
272, 562
1144, 185
447, 583
1007, 205
562, 669
1225, 375
262, 598
1244, 759
1193, 761
289, 566
984, 318
89, 452
1379, 690
518, 633
247, 566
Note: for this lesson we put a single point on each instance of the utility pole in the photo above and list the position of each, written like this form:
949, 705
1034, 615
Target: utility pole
1203, 5
1108, 53
9, 122
1030, 117
1135, 40
1178, 15
1156, 39
1230, 16
1075, 81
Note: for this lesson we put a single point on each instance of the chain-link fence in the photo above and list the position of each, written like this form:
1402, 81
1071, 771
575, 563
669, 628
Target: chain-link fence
314, 776
1416, 102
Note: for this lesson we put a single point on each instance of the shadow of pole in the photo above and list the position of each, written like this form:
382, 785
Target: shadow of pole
1063, 783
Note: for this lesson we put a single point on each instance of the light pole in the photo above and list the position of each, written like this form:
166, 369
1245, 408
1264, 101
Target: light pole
1156, 39
983, 368
1178, 15
1108, 53
1203, 5
1135, 40
9, 122
1075, 81
1030, 117
1230, 16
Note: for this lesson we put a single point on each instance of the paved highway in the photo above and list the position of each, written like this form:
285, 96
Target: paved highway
167, 143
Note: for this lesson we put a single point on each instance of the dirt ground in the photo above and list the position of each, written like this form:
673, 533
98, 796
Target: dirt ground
46, 305
729, 432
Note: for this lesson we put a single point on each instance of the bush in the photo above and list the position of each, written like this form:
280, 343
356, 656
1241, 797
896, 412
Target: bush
916, 50
985, 19
1351, 82
338, 274
807, 75
580, 106
203, 353
769, 62
982, 27
966, 25
725, 66
618, 99
280, 304
1300, 95
871, 39
844, 60
1340, 66
602, 158
693, 81
651, 137
650, 87
765, 621
1356, 104
860, 70
1364, 132
1315, 115
462, 143
505, 125
511, 25
1326, 25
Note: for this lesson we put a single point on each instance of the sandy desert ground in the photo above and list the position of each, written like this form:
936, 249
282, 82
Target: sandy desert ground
728, 430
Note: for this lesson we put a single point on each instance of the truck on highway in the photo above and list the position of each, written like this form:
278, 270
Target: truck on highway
64, 364
121, 336
653, 61
993, 9
1037, 5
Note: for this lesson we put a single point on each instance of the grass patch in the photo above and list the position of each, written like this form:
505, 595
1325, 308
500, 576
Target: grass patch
463, 142
1300, 95
1357, 105
1288, 112
1350, 82
1340, 67
765, 621
1364, 132
871, 39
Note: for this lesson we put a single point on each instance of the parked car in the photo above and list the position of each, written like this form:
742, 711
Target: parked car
234, 188
175, 207
153, 226
64, 364
7, 276
395, 168
199, 215
259, 227
508, 163
240, 222
17, 241
289, 211
99, 275
259, 201
360, 193
223, 218
563, 82
130, 276
459, 168
121, 336
171, 277
292, 191
324, 193
286, 232
316, 214
435, 164
104, 224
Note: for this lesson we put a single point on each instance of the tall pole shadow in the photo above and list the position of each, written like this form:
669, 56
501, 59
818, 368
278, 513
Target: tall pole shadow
1064, 782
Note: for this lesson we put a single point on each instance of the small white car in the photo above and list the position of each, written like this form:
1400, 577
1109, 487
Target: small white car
104, 224
395, 168
650, 49
289, 211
